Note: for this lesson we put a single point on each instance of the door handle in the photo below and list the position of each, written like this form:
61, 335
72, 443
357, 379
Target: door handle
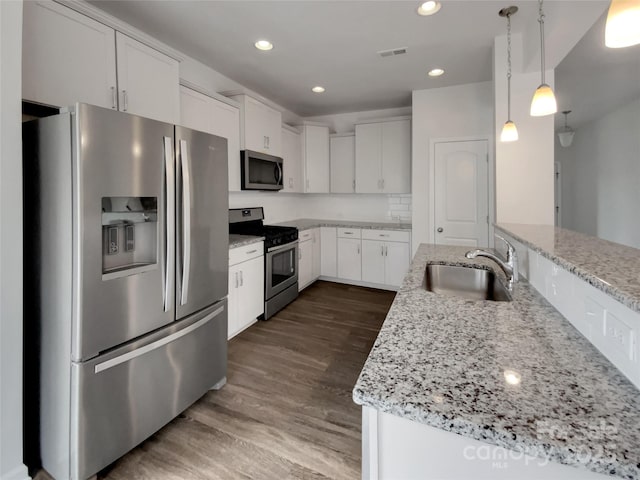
170, 225
440, 230
186, 221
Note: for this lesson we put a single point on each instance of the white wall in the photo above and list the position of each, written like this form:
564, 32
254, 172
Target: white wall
278, 206
452, 112
601, 177
524, 169
11, 467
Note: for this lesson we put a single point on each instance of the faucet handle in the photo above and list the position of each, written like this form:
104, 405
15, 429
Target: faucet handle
512, 255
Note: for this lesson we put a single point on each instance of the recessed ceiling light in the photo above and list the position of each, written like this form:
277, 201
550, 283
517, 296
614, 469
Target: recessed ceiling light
429, 8
436, 72
317, 89
264, 45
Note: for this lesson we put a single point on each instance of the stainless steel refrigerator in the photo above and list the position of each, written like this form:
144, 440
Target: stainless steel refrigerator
126, 224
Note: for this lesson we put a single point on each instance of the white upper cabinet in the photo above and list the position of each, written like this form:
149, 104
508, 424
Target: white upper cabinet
396, 157
207, 114
67, 57
383, 157
343, 166
148, 81
260, 126
315, 152
292, 160
368, 158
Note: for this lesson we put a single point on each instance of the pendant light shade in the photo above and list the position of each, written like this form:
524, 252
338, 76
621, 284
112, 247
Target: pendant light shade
509, 130
566, 133
623, 24
544, 100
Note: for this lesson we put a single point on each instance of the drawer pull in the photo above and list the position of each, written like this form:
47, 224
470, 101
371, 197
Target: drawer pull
348, 233
252, 251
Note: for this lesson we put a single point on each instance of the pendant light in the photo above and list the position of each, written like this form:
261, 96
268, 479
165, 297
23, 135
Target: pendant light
565, 135
623, 24
509, 130
544, 101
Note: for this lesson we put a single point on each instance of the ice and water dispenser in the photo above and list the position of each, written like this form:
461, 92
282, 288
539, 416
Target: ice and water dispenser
129, 235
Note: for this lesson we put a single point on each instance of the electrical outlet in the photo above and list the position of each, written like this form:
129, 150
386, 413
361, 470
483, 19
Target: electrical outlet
620, 335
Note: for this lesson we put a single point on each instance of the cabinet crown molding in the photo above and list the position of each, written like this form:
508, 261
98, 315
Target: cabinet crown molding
383, 120
85, 8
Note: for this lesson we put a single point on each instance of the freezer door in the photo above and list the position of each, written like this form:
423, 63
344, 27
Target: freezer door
123, 169
202, 220
122, 397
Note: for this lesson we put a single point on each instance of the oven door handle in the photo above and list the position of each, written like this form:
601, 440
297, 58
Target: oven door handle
282, 247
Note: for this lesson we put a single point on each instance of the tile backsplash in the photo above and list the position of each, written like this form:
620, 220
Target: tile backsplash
399, 207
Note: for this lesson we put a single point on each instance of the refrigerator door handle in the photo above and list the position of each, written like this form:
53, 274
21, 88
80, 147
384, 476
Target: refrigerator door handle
170, 221
186, 221
125, 357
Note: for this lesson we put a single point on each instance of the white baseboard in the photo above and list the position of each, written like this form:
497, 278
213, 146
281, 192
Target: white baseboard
18, 473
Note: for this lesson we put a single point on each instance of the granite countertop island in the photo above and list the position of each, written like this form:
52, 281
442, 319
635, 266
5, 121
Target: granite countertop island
308, 223
442, 361
608, 266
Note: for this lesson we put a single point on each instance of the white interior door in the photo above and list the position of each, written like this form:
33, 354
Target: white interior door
461, 193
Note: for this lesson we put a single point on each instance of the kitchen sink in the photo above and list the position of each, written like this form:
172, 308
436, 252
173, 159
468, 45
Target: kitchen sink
466, 282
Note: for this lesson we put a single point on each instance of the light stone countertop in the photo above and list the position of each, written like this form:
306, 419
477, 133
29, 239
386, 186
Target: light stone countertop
441, 360
608, 266
236, 241
308, 223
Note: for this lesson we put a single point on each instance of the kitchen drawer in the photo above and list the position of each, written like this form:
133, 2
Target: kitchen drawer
349, 233
386, 235
246, 252
305, 235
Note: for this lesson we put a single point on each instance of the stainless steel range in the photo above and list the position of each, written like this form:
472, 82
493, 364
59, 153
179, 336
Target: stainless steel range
281, 256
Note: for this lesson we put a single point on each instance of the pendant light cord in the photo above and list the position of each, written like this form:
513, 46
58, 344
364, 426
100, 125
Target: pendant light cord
541, 22
509, 67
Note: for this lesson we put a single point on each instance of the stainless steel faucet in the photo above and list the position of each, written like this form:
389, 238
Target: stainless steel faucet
510, 267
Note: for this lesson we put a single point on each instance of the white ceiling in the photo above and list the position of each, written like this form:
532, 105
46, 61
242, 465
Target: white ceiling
594, 80
334, 44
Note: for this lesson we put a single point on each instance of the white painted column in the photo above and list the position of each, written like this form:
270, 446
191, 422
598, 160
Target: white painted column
11, 466
524, 169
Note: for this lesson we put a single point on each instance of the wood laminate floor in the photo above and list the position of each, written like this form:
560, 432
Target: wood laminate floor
286, 411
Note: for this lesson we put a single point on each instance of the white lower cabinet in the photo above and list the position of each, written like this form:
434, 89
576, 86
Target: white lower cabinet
305, 263
349, 254
316, 264
385, 262
246, 287
329, 252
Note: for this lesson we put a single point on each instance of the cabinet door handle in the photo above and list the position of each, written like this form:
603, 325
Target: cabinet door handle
241, 279
125, 101
307, 184
299, 254
382, 250
354, 185
266, 142
114, 98
358, 249
237, 283
382, 183
290, 182
386, 250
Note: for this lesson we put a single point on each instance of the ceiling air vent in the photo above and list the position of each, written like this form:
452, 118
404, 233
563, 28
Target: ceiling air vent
392, 52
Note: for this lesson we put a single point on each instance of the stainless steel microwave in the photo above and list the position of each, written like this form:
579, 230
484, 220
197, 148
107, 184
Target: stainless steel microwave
260, 171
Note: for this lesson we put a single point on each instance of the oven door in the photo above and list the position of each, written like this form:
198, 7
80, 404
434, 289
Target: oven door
281, 269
